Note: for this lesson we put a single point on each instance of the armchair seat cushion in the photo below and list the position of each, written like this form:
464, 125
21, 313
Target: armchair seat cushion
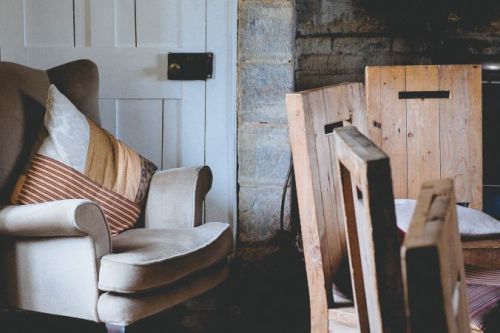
144, 259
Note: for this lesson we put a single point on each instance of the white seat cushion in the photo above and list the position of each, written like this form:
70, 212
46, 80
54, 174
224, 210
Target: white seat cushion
144, 259
471, 222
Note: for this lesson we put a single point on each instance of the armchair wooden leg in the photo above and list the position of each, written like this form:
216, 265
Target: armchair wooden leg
116, 329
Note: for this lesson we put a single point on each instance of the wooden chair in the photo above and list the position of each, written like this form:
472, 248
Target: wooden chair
313, 115
433, 263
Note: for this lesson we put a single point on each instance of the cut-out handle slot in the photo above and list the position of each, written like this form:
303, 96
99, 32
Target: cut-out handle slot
440, 94
329, 128
463, 204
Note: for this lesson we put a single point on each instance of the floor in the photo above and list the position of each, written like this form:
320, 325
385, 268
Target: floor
265, 295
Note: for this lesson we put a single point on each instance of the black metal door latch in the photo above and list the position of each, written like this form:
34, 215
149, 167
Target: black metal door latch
190, 66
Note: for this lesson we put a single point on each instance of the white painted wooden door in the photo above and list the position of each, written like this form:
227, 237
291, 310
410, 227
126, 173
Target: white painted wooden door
166, 121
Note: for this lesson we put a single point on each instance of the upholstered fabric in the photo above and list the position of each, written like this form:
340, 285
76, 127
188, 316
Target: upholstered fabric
176, 197
471, 222
50, 275
124, 309
74, 217
80, 160
145, 259
23, 93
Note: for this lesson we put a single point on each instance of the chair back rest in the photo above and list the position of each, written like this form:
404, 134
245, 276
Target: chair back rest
432, 260
23, 94
367, 203
312, 115
428, 119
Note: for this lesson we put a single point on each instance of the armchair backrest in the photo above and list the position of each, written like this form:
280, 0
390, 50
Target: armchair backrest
428, 119
23, 94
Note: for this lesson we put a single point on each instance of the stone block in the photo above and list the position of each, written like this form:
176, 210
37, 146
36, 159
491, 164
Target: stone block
266, 30
259, 213
263, 154
261, 91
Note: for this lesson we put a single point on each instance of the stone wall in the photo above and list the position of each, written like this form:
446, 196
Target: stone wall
336, 39
266, 31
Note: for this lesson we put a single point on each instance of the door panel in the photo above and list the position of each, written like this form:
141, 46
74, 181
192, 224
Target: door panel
139, 124
129, 40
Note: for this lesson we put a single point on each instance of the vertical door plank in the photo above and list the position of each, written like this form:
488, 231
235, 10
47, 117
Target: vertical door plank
374, 104
12, 31
422, 128
220, 113
393, 123
192, 127
48, 22
454, 129
194, 18
102, 23
125, 23
476, 136
82, 23
330, 228
107, 109
171, 133
158, 23
139, 124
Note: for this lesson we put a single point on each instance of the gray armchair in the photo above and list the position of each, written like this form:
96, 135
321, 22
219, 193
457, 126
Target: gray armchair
58, 257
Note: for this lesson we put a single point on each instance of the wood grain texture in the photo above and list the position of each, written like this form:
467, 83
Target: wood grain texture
368, 205
311, 113
433, 263
442, 138
422, 128
393, 126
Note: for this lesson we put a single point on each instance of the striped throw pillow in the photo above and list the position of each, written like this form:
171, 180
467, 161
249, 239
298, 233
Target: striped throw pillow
79, 160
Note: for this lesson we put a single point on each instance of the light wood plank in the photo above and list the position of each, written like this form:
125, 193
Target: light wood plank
39, 19
373, 81
476, 136
454, 129
314, 252
331, 229
139, 125
393, 126
422, 128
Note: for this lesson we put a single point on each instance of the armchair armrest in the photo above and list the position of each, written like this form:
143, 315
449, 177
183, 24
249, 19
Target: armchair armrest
64, 218
176, 197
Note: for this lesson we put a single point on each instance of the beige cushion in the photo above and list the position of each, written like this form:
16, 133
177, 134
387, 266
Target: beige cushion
471, 222
125, 309
143, 259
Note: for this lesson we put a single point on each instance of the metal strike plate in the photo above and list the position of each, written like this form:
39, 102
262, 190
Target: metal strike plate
190, 66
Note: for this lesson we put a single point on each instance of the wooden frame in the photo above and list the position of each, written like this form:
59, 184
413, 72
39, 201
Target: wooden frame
312, 115
435, 132
433, 263
373, 240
